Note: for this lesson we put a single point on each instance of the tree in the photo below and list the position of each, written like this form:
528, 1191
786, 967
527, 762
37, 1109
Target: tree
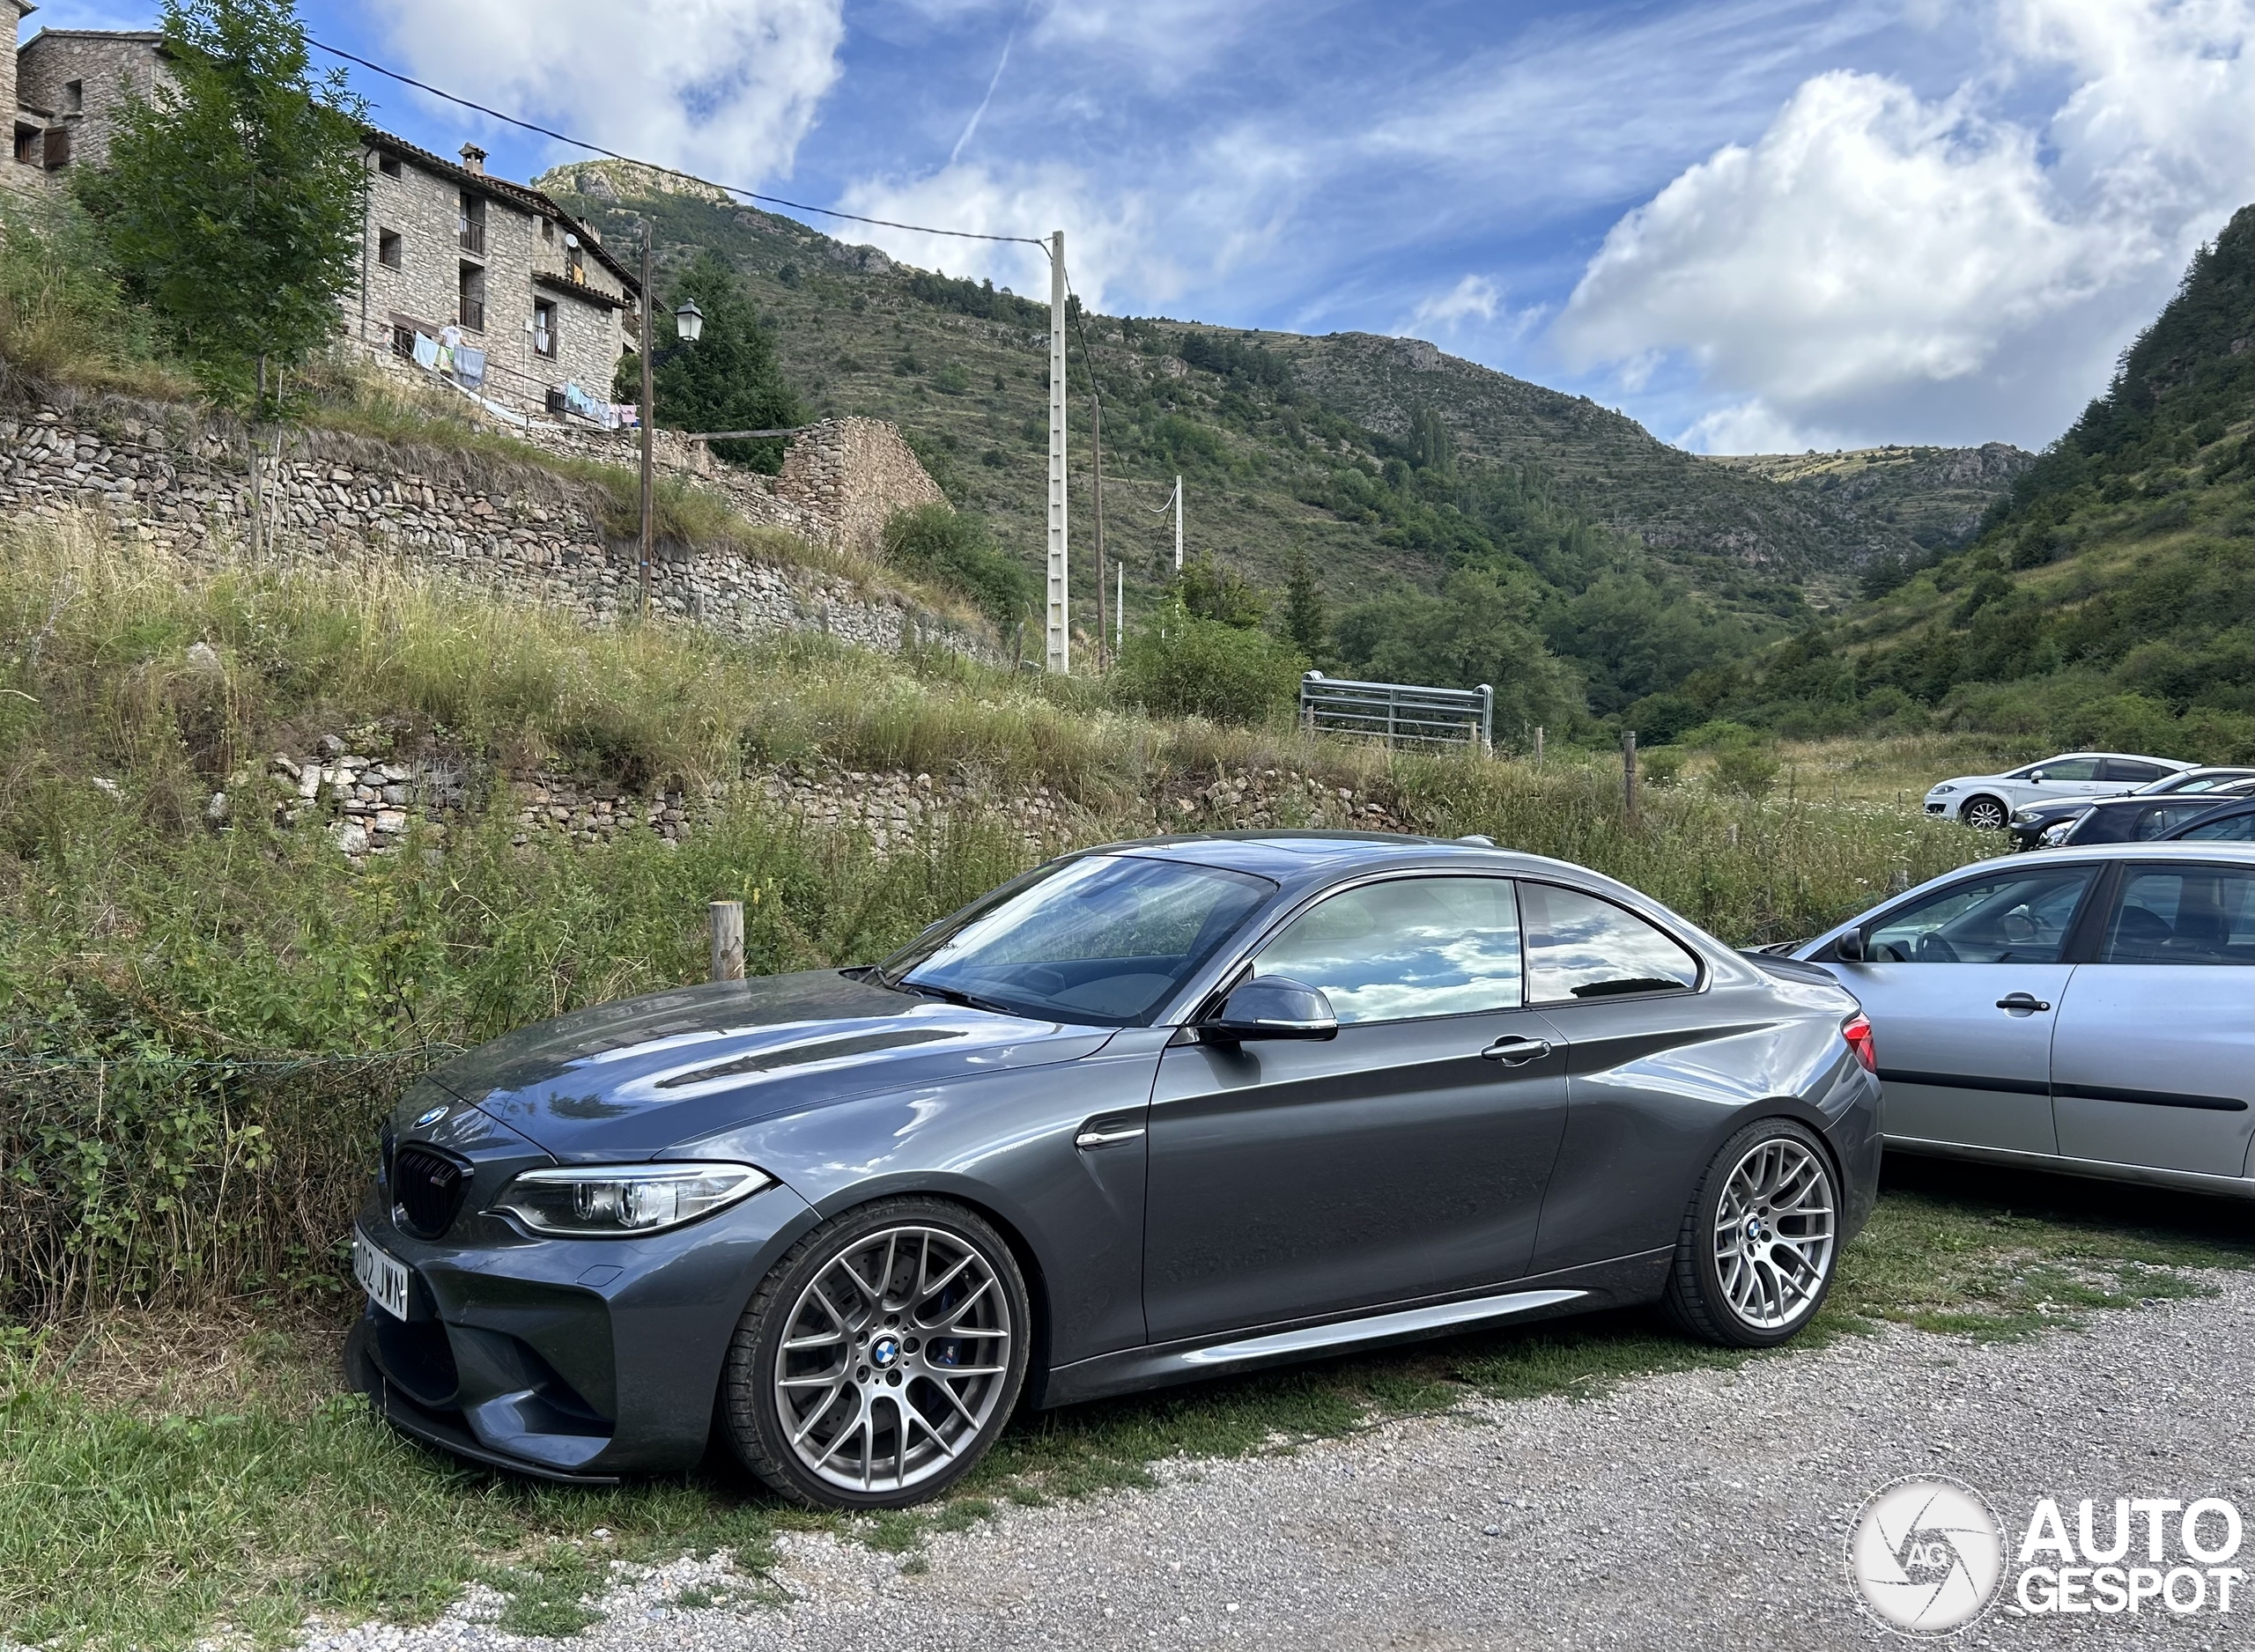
1180, 665
1210, 591
230, 203
1478, 630
955, 548
1307, 620
728, 379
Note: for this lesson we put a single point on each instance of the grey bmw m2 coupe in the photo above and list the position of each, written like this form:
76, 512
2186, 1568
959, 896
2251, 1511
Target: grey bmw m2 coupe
1153, 1112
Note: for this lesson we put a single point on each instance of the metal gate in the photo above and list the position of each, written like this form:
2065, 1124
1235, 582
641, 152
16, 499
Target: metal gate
1399, 713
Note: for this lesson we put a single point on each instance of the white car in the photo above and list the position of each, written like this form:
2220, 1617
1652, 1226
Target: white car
1987, 800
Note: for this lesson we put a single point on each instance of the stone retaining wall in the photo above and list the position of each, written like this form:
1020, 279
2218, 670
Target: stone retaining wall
516, 529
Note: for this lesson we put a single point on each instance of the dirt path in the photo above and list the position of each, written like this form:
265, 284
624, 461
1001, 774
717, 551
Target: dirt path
1698, 1510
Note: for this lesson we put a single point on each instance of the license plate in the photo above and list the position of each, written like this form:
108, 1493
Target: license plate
383, 1279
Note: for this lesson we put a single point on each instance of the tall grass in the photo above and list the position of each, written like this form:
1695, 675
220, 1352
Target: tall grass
199, 1028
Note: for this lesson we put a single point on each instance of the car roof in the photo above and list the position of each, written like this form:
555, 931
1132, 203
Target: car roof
1289, 856
2176, 763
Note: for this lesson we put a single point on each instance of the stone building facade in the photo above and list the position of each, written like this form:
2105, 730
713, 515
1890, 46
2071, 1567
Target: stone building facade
449, 245
66, 87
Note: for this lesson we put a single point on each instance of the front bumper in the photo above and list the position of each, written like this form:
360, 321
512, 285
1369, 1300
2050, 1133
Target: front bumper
567, 1359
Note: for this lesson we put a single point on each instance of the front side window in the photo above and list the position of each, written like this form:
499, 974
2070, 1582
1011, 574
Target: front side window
2065, 769
1580, 945
1405, 949
2182, 915
2006, 918
1106, 939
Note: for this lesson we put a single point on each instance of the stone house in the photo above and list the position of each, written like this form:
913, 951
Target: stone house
66, 87
448, 244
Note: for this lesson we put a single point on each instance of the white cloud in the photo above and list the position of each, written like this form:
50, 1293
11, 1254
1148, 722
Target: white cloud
1875, 256
723, 88
1105, 237
1474, 295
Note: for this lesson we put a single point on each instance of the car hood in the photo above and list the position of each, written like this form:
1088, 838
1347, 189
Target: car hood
630, 1078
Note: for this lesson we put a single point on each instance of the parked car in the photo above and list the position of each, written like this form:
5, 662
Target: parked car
2031, 821
2091, 1010
1986, 800
1152, 1112
2225, 823
2135, 819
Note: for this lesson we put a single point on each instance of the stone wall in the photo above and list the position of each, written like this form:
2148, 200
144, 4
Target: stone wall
519, 531
853, 473
368, 803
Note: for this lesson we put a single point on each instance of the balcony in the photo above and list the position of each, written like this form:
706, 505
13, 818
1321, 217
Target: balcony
473, 235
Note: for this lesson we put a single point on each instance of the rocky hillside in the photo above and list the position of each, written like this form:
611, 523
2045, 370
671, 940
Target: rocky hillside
1287, 442
1936, 496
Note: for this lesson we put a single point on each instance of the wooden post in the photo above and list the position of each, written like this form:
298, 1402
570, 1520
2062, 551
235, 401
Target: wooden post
1628, 774
1538, 746
727, 925
1096, 448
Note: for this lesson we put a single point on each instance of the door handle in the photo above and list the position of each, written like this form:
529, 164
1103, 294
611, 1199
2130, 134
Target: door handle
1516, 1052
2022, 1001
1105, 1132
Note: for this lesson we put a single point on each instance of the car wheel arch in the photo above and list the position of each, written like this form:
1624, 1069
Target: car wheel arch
1990, 797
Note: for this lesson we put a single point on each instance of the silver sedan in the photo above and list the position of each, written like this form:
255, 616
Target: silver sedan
2092, 1011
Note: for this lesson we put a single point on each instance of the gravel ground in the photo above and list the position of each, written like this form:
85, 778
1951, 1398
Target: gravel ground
1697, 1510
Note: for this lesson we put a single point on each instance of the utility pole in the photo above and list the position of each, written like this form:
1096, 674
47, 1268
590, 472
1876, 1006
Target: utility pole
1060, 616
1178, 524
649, 508
1095, 446
1119, 609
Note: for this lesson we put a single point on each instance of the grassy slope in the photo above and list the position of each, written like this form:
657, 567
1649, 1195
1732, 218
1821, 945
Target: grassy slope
856, 339
2111, 598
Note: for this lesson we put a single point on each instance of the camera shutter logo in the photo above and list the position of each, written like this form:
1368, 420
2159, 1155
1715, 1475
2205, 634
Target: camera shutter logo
1926, 1555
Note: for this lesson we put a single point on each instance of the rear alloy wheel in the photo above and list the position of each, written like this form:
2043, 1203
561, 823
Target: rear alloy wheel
880, 1359
1985, 814
1761, 1242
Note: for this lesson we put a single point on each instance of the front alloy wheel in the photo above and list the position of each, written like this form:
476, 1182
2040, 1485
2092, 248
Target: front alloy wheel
1985, 814
1760, 1242
880, 1359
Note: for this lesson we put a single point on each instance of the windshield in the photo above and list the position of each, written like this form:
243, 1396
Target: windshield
2195, 780
1106, 939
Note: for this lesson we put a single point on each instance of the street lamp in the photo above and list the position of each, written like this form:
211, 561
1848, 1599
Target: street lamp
689, 320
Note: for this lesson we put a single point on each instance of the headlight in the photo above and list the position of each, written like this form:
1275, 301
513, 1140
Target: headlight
1940, 790
610, 1201
2023, 813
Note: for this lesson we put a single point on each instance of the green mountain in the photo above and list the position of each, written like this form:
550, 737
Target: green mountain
1397, 472
1937, 496
2108, 599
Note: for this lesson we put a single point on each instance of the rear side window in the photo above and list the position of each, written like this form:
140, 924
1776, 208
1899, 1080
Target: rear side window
2182, 915
1580, 947
2123, 769
2233, 828
2009, 918
1405, 949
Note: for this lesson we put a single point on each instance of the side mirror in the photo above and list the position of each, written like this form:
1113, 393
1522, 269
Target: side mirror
2037, 779
1850, 947
1272, 1007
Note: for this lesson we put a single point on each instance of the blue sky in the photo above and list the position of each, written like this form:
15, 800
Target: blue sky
1752, 225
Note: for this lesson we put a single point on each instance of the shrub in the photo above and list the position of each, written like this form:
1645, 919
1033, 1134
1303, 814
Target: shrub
1745, 770
1182, 666
933, 541
1662, 765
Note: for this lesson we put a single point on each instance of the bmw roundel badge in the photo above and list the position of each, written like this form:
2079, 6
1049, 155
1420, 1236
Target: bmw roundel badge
430, 1115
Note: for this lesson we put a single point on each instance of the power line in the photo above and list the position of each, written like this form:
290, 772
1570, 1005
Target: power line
670, 172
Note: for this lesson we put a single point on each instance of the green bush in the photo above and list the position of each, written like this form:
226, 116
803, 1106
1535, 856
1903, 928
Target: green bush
1745, 770
933, 541
1662, 765
1179, 664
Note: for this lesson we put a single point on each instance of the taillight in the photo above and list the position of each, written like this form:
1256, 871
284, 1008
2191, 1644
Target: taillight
1857, 1031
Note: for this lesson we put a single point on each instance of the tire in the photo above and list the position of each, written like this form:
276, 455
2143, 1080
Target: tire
1985, 814
1729, 1283
835, 1392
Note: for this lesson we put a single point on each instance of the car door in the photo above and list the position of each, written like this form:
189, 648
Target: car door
1404, 1158
2070, 777
1962, 986
2153, 1059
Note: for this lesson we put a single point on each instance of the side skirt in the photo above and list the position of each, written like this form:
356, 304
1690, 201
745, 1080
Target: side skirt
1612, 1284
2098, 1170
